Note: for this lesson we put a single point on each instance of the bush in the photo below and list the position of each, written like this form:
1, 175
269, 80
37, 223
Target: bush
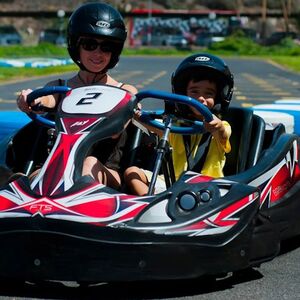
238, 44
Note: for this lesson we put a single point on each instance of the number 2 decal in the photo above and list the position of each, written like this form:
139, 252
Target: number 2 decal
88, 100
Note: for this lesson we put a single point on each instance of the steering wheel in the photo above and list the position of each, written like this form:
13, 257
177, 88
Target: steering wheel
45, 91
149, 117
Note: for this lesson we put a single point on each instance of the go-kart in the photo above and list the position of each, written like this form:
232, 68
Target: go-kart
63, 226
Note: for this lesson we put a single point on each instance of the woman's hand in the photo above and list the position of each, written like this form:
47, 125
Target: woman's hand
23, 105
22, 101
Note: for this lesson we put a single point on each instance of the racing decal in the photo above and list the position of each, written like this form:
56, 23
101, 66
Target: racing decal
220, 222
275, 183
156, 213
277, 186
87, 100
14, 196
78, 125
217, 223
56, 174
86, 206
193, 177
292, 159
103, 24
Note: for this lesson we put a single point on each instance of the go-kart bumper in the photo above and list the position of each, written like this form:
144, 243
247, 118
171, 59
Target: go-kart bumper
59, 250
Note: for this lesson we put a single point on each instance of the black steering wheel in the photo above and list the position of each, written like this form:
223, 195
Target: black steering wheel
150, 117
45, 91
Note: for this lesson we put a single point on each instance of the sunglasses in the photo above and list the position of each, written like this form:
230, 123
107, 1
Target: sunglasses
91, 45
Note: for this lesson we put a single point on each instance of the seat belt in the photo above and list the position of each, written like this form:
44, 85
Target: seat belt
196, 163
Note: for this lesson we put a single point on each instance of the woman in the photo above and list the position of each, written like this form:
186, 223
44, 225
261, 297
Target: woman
96, 35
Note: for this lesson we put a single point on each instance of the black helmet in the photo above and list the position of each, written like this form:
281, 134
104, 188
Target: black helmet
96, 20
205, 66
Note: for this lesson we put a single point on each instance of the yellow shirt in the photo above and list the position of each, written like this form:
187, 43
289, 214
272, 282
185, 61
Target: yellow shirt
215, 159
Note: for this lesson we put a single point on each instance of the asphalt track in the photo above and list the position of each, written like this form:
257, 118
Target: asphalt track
257, 82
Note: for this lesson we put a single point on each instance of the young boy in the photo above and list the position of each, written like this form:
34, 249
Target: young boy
206, 78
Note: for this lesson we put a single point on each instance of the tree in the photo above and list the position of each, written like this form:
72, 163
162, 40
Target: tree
264, 9
285, 14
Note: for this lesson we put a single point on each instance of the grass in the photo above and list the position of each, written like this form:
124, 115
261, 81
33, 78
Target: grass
42, 50
7, 73
286, 54
290, 62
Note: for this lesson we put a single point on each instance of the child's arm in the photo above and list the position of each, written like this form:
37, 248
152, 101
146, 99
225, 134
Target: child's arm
137, 115
217, 128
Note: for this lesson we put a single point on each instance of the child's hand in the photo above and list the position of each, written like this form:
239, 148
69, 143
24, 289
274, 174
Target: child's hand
214, 125
216, 128
138, 111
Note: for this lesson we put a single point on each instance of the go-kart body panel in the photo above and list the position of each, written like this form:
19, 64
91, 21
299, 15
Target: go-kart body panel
64, 226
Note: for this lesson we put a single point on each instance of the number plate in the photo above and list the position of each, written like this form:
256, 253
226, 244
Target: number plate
95, 99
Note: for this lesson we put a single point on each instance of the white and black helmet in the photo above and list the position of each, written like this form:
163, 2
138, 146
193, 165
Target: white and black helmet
97, 20
205, 66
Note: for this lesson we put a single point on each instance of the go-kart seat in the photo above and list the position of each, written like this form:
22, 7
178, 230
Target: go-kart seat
271, 138
139, 149
256, 141
246, 139
273, 135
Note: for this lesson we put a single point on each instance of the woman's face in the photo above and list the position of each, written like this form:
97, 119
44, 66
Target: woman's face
95, 54
205, 91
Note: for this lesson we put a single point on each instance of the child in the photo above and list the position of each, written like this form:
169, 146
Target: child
206, 78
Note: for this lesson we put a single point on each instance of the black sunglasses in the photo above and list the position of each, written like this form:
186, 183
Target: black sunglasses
91, 45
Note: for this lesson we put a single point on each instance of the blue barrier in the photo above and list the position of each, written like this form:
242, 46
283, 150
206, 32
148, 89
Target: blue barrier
11, 121
35, 62
293, 109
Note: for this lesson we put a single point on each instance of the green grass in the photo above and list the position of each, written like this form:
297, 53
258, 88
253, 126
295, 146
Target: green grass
290, 62
42, 50
286, 54
7, 73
